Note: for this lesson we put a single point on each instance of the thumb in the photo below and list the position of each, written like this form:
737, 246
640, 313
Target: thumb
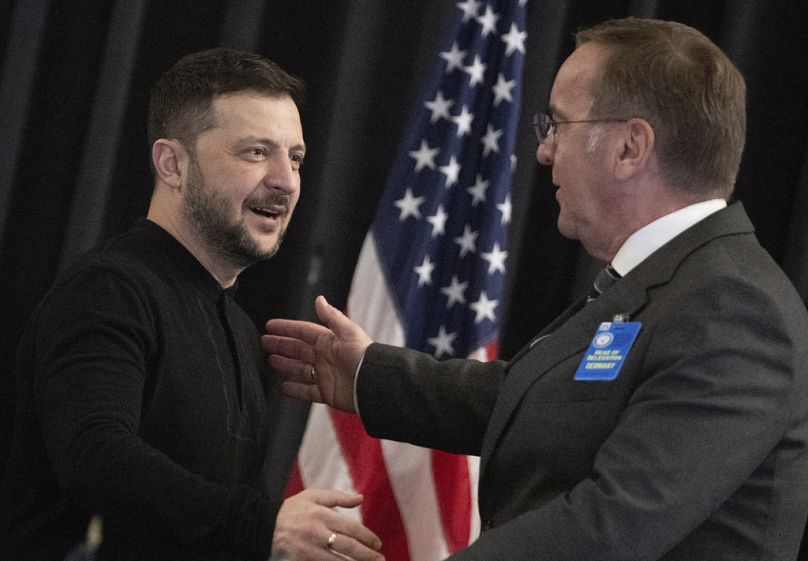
334, 319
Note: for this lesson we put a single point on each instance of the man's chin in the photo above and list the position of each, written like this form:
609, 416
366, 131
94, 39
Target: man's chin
265, 244
266, 249
566, 228
249, 253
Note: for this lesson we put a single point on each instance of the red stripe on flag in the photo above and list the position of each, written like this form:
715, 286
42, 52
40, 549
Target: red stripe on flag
380, 512
492, 349
294, 484
451, 473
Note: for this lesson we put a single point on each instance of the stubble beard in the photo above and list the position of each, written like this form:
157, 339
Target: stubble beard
207, 212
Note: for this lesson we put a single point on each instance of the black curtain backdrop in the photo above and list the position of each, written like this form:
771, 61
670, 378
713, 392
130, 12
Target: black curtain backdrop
74, 85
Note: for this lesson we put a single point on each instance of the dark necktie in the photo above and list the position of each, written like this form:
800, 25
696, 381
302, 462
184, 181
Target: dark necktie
605, 279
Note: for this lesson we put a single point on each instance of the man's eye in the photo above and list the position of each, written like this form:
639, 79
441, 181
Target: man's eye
297, 158
256, 152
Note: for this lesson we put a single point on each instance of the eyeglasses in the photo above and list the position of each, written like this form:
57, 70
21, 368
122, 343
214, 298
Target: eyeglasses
544, 123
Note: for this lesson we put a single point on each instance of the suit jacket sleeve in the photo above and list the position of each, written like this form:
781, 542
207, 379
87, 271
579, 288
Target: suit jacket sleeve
443, 404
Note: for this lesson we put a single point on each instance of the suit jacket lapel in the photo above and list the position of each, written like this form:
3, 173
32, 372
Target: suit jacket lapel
570, 336
572, 332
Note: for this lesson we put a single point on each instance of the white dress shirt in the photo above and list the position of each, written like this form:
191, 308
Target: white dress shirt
651, 237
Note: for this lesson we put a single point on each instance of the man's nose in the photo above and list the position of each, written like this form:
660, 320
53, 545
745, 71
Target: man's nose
544, 153
282, 174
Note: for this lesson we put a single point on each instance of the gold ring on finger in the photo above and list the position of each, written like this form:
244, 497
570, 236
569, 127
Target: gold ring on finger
331, 540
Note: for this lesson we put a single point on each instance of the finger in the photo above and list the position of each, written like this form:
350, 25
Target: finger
295, 329
303, 392
287, 347
331, 498
360, 537
291, 369
349, 548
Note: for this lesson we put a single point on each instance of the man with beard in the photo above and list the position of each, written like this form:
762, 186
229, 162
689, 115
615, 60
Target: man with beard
143, 394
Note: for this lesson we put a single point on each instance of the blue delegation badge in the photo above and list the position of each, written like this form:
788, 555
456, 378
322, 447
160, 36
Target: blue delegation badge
608, 350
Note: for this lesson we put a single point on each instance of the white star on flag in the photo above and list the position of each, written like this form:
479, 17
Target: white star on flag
489, 21
424, 156
476, 71
502, 90
515, 40
424, 271
409, 205
455, 292
496, 259
443, 342
454, 57
439, 107
438, 221
468, 241
470, 9
484, 308
463, 121
451, 171
505, 208
490, 140
478, 190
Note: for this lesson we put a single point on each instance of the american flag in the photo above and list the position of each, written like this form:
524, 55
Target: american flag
431, 276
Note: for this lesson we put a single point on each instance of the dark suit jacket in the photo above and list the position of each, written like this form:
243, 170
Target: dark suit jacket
696, 451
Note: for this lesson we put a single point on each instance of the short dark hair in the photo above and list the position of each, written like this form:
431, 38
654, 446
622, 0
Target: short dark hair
686, 87
181, 99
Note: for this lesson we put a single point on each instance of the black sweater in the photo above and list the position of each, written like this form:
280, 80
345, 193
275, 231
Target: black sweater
143, 396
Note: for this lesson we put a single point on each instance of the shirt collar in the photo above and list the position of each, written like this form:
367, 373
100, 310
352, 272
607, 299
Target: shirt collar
651, 237
182, 262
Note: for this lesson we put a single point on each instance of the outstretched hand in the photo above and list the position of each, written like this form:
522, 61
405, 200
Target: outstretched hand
318, 363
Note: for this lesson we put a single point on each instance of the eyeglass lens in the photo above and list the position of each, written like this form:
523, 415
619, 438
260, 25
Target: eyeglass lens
542, 123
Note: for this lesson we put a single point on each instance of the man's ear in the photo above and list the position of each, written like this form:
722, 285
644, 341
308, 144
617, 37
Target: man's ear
637, 146
168, 158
